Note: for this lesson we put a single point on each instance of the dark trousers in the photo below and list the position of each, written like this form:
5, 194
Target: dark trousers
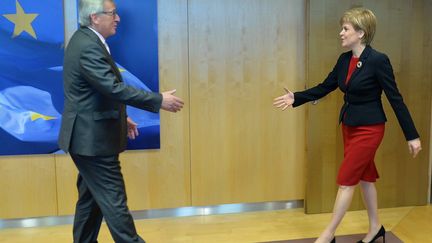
102, 195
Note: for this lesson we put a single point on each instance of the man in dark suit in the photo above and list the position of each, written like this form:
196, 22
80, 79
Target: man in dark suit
95, 126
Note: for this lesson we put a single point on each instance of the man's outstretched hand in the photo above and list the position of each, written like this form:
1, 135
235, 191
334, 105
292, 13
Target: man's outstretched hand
170, 102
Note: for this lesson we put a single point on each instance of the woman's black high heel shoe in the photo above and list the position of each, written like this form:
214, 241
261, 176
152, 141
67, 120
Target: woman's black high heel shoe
381, 233
334, 240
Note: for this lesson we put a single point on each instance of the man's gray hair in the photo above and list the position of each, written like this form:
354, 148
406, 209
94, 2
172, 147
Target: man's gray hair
88, 7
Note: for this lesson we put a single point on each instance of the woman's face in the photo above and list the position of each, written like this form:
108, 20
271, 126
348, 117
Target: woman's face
349, 36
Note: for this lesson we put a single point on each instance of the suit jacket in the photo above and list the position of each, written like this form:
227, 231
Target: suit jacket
94, 117
362, 94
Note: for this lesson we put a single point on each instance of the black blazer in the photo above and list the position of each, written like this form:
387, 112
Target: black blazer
362, 94
94, 116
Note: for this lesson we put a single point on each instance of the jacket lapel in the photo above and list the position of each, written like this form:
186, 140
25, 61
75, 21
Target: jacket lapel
111, 62
344, 71
359, 66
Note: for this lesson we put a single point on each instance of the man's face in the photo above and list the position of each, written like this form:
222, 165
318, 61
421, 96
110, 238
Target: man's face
106, 22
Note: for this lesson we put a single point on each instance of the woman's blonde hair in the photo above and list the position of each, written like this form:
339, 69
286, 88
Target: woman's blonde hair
361, 19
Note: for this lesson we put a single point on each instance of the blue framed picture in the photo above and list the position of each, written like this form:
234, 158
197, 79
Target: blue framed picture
31, 82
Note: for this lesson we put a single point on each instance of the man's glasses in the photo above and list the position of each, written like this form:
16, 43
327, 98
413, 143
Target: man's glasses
110, 13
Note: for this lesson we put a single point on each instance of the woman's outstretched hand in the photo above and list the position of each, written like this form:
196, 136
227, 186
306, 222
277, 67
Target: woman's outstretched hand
285, 100
414, 146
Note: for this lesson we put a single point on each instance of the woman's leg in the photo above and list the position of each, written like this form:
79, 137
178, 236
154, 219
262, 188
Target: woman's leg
370, 200
342, 203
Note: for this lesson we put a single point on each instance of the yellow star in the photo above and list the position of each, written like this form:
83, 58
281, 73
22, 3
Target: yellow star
35, 116
22, 21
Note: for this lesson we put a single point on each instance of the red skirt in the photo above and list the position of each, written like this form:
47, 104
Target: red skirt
360, 146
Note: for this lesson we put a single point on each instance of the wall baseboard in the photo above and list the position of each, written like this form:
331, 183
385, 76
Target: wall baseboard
160, 213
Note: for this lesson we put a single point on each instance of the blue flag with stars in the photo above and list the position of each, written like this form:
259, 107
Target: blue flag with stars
135, 47
31, 87
31, 68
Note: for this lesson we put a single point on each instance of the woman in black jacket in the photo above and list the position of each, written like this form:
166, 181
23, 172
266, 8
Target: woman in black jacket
361, 74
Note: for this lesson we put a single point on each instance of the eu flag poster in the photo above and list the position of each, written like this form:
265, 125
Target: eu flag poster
31, 82
135, 48
31, 87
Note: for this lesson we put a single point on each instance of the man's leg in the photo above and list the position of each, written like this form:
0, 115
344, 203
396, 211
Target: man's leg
104, 179
88, 217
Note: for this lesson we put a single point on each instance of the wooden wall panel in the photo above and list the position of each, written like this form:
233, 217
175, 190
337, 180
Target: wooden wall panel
27, 186
408, 26
161, 178
228, 60
403, 33
66, 177
241, 57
